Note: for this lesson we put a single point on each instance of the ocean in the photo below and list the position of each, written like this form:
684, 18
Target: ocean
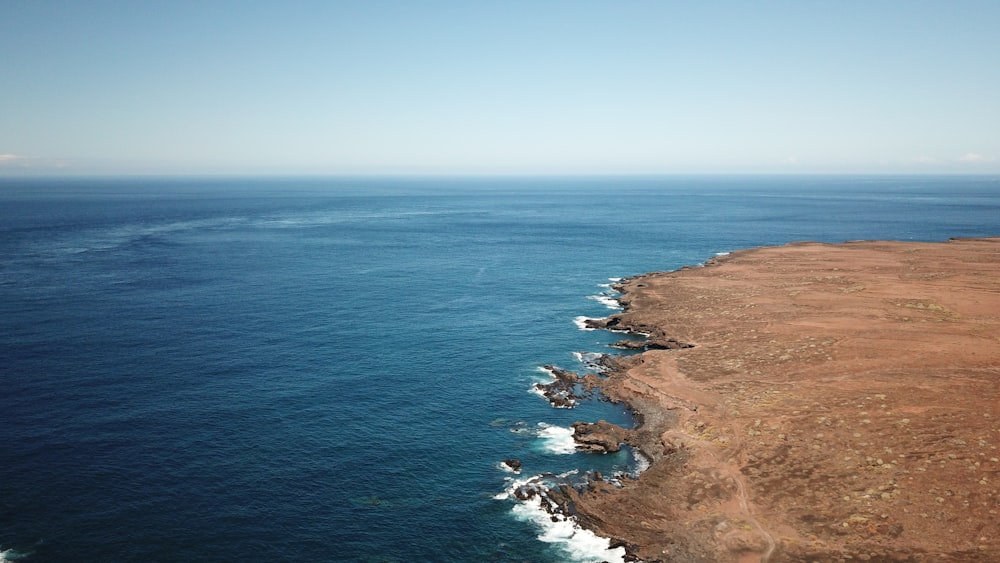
317, 369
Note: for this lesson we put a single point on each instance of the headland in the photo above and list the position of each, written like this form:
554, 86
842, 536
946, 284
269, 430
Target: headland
810, 402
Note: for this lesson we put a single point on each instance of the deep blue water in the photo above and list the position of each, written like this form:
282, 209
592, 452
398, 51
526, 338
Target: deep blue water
331, 369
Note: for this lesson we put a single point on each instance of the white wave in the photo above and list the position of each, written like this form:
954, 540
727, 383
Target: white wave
591, 357
628, 331
722, 254
641, 463
537, 481
580, 545
513, 485
589, 360
547, 371
581, 323
535, 390
556, 439
607, 300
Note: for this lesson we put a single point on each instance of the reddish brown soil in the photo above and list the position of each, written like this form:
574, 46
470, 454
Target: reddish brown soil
841, 403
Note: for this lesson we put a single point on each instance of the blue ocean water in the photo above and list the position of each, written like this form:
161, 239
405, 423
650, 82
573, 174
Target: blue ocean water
332, 369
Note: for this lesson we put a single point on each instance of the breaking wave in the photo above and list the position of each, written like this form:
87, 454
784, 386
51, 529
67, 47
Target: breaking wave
606, 299
564, 532
556, 439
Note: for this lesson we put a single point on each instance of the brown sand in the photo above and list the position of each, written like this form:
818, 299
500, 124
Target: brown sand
841, 403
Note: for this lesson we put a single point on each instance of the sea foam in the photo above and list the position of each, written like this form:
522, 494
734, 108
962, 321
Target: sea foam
556, 439
547, 371
640, 463
581, 323
590, 360
535, 389
606, 299
513, 485
579, 544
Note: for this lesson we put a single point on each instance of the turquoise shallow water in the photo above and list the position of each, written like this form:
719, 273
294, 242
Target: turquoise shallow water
313, 369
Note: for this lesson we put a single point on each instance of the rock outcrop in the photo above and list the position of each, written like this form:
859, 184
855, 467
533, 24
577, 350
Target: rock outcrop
599, 437
568, 387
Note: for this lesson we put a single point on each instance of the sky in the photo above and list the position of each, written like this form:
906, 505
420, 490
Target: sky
477, 87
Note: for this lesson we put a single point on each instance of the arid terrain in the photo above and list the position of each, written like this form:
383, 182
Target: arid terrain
839, 403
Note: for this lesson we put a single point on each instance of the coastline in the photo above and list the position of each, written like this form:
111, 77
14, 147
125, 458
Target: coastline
809, 401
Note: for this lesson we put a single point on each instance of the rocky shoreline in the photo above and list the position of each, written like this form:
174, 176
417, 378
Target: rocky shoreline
805, 402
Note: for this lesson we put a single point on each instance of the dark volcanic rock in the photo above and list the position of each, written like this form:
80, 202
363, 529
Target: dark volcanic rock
568, 387
513, 464
599, 437
610, 323
631, 345
659, 344
563, 375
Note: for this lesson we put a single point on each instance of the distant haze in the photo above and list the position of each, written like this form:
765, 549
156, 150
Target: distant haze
550, 87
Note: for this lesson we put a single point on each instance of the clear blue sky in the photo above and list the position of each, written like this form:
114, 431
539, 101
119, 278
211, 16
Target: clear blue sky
470, 87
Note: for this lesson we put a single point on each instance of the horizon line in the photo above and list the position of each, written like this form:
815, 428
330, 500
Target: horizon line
464, 175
